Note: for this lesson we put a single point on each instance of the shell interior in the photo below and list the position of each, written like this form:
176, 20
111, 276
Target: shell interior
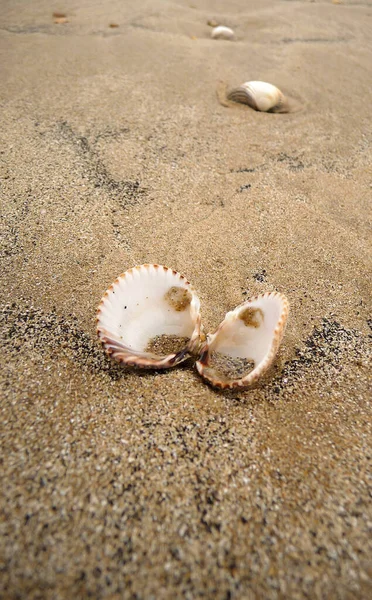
142, 305
248, 339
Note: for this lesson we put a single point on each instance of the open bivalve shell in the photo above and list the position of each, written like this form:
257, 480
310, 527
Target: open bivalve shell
150, 317
244, 345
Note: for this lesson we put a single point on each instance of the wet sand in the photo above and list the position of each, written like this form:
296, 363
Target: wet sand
115, 151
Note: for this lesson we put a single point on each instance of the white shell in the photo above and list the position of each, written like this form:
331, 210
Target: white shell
251, 331
259, 95
222, 33
145, 302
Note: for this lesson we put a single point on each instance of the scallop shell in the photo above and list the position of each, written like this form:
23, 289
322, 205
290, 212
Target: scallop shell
222, 33
259, 95
251, 333
144, 303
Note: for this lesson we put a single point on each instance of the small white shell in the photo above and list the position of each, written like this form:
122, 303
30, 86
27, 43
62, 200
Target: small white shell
145, 302
252, 331
222, 33
259, 95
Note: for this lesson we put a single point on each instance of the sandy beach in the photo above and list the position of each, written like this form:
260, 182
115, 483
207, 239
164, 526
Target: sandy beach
115, 150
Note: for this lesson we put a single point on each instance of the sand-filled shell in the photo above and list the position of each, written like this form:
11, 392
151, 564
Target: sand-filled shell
150, 317
259, 95
221, 32
246, 342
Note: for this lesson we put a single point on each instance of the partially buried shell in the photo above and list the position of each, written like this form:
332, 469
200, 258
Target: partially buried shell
259, 95
221, 32
150, 317
244, 345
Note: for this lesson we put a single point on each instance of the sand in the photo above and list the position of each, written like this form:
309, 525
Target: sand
116, 151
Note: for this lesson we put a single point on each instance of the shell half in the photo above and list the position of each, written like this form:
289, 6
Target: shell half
246, 342
150, 317
259, 95
221, 32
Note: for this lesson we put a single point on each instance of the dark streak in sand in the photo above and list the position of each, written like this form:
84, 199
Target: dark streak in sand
125, 193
